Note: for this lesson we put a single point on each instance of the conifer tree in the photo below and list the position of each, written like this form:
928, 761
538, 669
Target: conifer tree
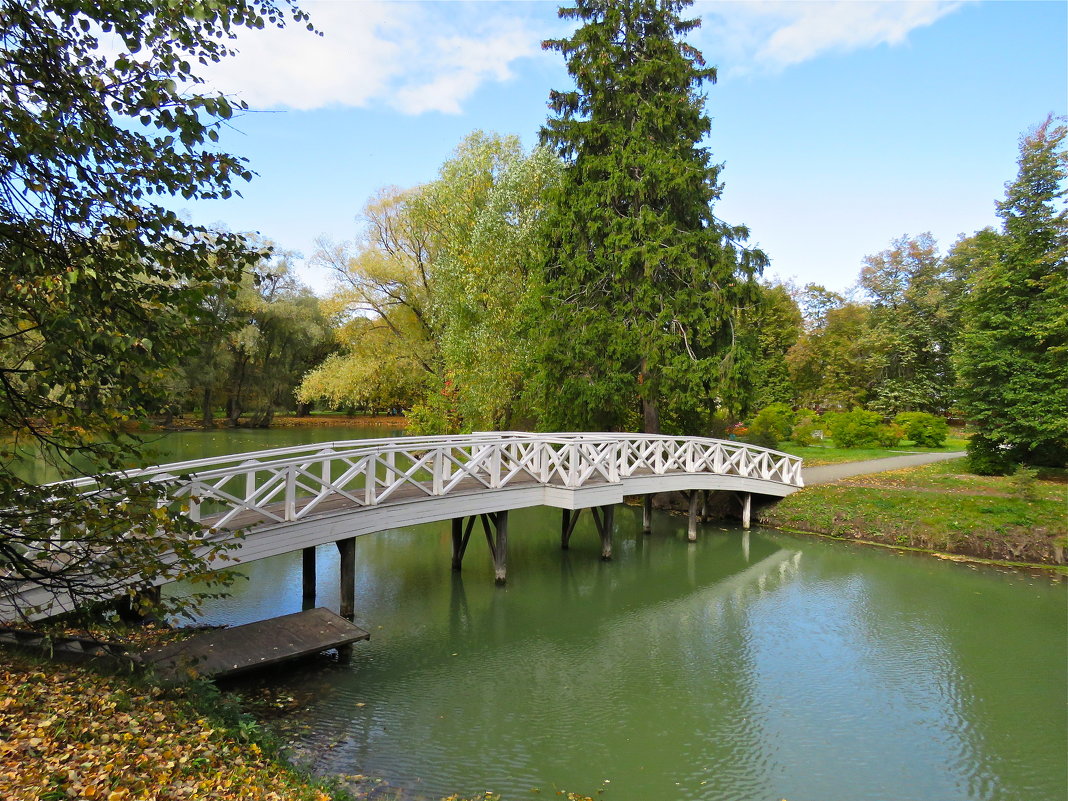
1012, 359
643, 284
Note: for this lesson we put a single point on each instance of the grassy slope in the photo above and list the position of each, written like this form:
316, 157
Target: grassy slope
937, 507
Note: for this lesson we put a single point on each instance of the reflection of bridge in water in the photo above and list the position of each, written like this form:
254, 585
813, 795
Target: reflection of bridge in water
296, 498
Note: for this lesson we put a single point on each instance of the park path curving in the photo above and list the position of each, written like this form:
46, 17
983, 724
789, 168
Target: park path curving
826, 473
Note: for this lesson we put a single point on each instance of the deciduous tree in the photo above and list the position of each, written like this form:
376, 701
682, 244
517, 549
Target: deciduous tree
101, 119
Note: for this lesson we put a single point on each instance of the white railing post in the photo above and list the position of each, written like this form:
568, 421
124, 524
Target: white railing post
194, 501
391, 468
495, 466
615, 449
370, 478
291, 493
250, 481
438, 468
325, 472
572, 464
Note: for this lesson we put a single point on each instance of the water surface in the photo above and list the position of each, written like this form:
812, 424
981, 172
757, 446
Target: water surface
743, 666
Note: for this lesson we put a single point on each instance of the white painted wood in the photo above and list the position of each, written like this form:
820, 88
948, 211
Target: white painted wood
283, 496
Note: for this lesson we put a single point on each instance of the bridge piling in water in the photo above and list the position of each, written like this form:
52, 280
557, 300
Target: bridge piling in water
307, 600
647, 514
460, 537
347, 550
691, 525
495, 524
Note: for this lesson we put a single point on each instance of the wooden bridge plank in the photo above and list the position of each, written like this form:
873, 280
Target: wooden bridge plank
224, 652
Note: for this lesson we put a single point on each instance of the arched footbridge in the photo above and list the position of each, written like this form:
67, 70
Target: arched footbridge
297, 498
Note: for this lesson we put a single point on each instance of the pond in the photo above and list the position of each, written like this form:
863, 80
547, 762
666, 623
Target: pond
744, 666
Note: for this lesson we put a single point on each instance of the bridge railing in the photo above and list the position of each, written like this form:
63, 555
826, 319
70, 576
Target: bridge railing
288, 484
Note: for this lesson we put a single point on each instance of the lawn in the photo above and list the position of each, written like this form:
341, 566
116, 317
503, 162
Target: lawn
828, 454
939, 507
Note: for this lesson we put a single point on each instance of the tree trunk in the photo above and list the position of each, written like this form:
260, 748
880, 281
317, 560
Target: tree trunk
207, 415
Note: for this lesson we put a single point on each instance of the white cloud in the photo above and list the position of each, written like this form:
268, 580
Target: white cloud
415, 57
770, 36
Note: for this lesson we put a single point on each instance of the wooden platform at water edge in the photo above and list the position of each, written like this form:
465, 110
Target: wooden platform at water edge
224, 652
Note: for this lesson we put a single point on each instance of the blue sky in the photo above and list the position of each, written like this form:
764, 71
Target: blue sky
842, 124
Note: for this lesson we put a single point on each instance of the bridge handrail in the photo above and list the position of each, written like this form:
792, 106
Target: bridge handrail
273, 457
286, 484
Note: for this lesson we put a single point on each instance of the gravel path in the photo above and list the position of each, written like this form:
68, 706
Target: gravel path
825, 474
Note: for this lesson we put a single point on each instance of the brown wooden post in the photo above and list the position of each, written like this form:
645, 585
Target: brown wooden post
608, 515
307, 600
567, 527
460, 538
347, 549
747, 508
500, 549
691, 527
647, 514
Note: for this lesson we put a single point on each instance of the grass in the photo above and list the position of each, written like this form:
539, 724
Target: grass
815, 455
939, 507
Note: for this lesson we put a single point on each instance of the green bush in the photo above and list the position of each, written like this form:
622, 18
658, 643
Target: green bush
773, 422
987, 457
804, 433
861, 429
926, 430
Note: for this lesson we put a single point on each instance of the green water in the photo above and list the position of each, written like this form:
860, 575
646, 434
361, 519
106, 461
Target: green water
743, 666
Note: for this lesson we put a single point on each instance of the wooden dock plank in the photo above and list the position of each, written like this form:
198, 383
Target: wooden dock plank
224, 652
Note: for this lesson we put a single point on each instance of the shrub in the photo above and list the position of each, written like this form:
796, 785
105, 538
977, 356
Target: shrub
765, 439
773, 422
808, 425
986, 457
926, 430
861, 429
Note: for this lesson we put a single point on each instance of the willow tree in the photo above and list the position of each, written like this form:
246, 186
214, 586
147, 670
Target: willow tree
643, 284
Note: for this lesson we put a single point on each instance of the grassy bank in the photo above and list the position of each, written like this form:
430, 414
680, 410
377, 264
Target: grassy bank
939, 507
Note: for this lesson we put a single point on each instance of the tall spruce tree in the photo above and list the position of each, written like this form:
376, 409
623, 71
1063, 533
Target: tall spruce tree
1012, 358
644, 286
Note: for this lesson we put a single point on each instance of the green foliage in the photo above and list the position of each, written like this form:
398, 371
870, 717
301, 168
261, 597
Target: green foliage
775, 324
861, 429
805, 429
926, 430
1024, 483
389, 345
913, 325
831, 364
101, 121
487, 212
439, 293
1012, 359
774, 423
643, 285
987, 457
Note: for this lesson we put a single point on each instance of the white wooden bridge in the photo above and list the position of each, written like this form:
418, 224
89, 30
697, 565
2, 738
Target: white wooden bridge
297, 498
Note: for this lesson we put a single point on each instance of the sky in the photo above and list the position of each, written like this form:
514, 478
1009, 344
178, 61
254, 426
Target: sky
842, 124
